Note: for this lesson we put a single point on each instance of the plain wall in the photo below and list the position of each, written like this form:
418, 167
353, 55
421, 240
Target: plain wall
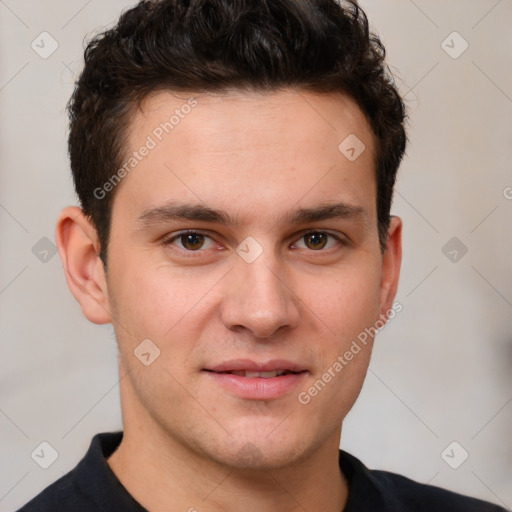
440, 371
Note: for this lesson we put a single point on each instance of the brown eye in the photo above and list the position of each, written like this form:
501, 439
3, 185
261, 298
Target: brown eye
315, 240
192, 241
188, 242
319, 241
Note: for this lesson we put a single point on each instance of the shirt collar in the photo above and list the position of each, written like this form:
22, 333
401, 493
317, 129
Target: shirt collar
366, 492
98, 482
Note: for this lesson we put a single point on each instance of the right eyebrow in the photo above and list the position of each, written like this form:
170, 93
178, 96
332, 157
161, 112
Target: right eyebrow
192, 212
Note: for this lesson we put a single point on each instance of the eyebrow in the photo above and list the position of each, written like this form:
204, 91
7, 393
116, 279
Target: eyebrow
199, 212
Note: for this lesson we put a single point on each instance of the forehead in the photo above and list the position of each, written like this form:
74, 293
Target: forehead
244, 115
271, 148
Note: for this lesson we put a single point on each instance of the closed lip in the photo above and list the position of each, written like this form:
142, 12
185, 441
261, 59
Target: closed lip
256, 366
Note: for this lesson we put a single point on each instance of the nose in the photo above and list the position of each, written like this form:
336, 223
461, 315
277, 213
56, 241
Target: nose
259, 298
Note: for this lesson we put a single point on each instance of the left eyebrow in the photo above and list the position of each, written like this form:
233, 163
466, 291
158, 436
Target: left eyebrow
173, 211
324, 212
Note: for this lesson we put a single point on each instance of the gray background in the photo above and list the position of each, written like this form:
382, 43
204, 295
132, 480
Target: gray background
440, 370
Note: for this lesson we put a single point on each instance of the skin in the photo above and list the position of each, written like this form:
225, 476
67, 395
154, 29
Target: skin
257, 156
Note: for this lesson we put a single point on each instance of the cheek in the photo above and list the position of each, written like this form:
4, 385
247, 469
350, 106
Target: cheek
347, 302
154, 306
154, 301
171, 309
347, 305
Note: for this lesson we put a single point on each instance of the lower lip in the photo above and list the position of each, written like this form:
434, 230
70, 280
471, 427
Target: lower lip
258, 388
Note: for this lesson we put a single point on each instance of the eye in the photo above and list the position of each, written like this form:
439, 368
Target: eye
318, 240
195, 241
191, 241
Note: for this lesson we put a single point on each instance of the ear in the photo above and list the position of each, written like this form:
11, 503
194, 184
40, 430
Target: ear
78, 246
391, 260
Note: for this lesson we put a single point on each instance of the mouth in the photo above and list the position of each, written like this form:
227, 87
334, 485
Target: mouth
261, 367
261, 375
252, 380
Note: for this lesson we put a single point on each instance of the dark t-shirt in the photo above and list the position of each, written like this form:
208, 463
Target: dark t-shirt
92, 486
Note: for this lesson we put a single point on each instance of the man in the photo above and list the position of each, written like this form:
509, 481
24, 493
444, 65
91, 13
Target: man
235, 164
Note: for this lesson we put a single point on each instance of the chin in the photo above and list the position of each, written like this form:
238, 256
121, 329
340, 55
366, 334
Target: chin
258, 451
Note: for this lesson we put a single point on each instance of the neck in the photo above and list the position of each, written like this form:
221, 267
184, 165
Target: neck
163, 475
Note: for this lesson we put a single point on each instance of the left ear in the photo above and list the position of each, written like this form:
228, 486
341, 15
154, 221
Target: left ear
391, 260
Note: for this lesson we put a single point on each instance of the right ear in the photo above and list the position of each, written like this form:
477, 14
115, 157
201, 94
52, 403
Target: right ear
78, 245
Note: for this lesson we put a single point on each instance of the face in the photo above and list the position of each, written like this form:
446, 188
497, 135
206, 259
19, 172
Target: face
243, 240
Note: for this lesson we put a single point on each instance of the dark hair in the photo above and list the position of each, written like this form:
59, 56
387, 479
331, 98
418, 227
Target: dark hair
218, 45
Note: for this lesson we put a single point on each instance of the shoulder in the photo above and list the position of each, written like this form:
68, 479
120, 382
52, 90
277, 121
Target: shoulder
371, 489
88, 486
416, 496
63, 495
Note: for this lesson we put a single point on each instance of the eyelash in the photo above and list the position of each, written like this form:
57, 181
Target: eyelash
169, 240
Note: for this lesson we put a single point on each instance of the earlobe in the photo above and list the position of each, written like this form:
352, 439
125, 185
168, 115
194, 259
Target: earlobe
78, 247
391, 261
